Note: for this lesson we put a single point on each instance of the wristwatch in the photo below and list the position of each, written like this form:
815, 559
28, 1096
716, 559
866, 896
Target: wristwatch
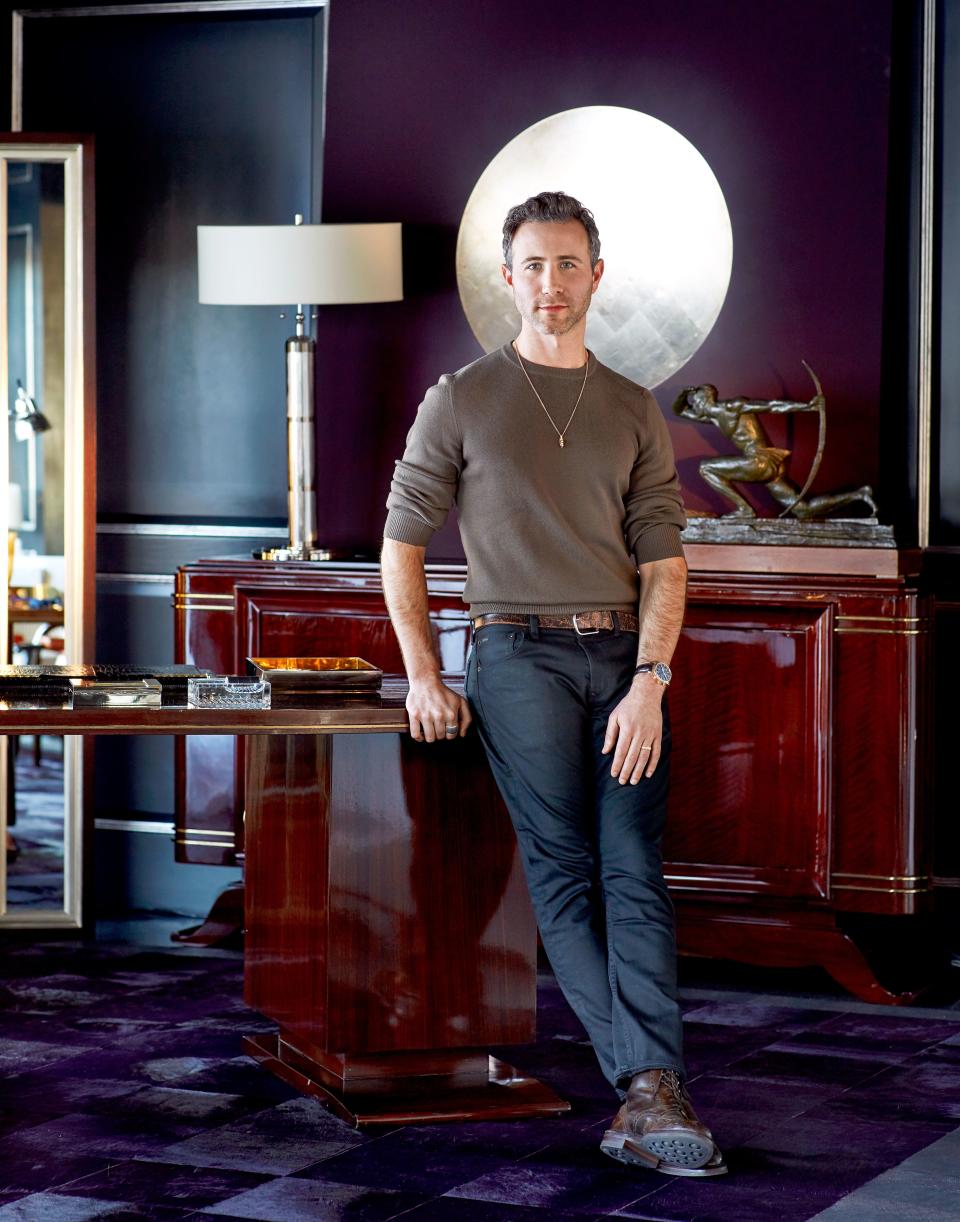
660, 671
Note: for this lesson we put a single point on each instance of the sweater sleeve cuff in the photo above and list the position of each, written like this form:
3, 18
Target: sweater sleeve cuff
407, 528
658, 543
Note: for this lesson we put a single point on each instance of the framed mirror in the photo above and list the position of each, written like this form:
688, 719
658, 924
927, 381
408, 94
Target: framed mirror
48, 451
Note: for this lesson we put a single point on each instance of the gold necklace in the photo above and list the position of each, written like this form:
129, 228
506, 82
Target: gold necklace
559, 433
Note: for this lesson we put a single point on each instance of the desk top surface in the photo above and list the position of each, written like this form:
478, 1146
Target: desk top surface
379, 712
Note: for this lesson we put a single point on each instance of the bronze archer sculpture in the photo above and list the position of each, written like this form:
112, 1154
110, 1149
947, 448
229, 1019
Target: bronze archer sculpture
761, 462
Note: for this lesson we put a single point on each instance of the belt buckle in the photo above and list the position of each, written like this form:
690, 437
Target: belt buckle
579, 631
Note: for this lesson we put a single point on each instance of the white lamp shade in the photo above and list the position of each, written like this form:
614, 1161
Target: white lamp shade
299, 264
14, 506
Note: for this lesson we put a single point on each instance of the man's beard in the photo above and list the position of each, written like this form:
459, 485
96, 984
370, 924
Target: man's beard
549, 324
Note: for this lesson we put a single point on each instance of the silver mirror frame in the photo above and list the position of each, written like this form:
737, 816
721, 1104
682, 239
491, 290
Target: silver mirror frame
76, 155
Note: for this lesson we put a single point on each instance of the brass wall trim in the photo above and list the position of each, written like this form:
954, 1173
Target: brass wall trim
209, 844
144, 579
189, 531
134, 825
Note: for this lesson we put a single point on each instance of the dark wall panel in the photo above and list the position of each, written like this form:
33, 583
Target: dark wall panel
788, 103
197, 121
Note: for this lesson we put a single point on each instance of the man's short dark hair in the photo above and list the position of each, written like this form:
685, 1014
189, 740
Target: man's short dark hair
550, 206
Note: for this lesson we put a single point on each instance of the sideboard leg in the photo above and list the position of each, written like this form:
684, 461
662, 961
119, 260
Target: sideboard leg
784, 939
223, 924
848, 966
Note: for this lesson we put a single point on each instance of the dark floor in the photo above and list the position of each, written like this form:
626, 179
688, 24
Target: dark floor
125, 1096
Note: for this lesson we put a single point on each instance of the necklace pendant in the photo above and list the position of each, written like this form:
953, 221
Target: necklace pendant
562, 443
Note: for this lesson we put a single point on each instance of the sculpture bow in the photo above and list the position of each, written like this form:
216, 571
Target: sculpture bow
821, 443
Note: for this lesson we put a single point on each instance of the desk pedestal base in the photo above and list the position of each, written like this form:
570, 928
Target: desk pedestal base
506, 1095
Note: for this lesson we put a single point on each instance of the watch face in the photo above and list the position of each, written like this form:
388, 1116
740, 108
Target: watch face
663, 672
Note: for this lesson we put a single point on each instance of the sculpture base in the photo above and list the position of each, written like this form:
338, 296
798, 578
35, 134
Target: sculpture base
790, 532
506, 1094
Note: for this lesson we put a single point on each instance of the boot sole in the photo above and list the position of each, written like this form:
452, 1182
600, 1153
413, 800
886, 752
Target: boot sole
668, 1153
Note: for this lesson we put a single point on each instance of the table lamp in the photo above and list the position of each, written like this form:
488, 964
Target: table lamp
307, 264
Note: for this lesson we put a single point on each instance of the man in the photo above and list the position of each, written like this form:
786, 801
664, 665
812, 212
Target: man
564, 479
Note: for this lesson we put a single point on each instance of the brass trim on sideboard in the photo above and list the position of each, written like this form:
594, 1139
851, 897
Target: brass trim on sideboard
203, 602
881, 890
187, 596
882, 878
885, 619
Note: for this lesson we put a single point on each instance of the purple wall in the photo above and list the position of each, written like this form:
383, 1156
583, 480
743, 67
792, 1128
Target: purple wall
788, 103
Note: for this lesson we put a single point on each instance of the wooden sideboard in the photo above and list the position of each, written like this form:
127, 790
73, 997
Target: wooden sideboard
800, 799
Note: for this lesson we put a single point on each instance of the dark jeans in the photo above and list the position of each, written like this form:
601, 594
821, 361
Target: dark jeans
590, 846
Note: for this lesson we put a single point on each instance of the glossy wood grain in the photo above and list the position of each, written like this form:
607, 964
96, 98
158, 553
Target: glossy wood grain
388, 929
384, 714
791, 938
386, 908
882, 852
751, 797
509, 1094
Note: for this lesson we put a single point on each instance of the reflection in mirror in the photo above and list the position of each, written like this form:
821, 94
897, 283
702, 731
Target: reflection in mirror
36, 569
46, 617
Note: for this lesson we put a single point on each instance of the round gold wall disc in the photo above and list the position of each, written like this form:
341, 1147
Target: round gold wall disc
665, 235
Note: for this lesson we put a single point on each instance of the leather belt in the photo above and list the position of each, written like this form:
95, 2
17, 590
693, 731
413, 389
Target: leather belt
582, 622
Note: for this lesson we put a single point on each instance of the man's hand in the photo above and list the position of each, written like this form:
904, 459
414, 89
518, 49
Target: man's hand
431, 705
433, 708
636, 726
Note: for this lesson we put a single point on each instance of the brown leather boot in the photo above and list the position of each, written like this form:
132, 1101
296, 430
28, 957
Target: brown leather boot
657, 1128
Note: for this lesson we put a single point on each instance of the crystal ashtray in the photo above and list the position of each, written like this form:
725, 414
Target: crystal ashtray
228, 692
97, 693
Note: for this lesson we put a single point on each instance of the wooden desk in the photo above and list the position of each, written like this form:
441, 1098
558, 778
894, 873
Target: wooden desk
388, 929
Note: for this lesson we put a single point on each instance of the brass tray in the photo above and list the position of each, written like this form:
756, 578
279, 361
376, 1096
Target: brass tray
318, 674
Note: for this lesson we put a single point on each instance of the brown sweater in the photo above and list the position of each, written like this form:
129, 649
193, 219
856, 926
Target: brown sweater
544, 529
